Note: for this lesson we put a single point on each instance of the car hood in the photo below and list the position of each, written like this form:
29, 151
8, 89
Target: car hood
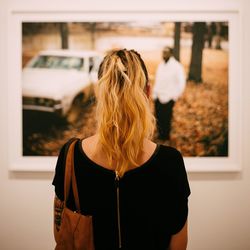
47, 83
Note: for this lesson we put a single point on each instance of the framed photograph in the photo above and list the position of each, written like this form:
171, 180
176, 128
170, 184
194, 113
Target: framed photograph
53, 59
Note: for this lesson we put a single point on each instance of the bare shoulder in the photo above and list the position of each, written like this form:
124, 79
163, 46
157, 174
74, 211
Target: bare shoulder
89, 145
149, 145
149, 148
90, 139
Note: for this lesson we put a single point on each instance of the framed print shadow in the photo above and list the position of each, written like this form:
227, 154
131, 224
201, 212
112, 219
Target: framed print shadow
53, 59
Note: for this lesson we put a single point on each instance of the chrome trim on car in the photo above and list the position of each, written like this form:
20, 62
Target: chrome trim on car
42, 108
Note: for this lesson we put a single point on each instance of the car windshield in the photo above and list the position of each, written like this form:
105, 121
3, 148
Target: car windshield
57, 62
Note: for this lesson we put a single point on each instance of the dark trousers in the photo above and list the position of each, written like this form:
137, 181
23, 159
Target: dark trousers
163, 114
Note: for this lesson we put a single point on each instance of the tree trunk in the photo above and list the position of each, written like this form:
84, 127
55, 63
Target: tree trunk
64, 33
218, 36
195, 69
92, 34
177, 35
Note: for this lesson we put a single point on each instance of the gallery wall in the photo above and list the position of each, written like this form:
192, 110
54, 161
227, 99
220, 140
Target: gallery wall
219, 206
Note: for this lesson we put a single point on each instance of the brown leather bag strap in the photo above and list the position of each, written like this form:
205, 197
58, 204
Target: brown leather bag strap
74, 186
70, 174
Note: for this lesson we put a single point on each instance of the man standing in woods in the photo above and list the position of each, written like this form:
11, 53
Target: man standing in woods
170, 82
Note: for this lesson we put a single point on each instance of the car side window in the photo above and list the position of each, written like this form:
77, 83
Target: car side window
57, 62
74, 63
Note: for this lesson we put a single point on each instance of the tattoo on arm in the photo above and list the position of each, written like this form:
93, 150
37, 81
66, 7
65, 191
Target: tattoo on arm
58, 208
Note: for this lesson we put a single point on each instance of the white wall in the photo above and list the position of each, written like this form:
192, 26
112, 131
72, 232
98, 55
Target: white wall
220, 202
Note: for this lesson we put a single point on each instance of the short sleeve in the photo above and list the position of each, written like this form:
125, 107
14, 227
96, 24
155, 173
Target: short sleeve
58, 180
182, 192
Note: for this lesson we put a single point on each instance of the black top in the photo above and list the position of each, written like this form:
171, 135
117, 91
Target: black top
153, 199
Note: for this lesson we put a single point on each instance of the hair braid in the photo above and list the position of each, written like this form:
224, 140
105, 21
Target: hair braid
123, 111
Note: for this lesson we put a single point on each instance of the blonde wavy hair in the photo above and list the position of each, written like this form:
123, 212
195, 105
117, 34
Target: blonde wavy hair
124, 116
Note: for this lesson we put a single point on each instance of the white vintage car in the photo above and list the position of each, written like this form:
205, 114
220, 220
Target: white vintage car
54, 79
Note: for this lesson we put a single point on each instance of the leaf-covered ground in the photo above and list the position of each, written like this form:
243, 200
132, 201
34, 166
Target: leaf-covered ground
200, 124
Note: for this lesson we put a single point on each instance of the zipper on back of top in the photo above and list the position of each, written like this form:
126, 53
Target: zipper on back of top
117, 179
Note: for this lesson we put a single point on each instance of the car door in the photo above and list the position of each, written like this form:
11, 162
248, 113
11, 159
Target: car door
78, 80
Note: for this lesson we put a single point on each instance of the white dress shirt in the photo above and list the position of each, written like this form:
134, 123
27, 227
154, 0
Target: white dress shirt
170, 81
